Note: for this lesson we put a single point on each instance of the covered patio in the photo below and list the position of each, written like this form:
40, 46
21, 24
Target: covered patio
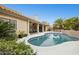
36, 27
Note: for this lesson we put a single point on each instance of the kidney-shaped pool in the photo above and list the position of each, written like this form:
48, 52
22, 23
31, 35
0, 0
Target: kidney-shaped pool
50, 39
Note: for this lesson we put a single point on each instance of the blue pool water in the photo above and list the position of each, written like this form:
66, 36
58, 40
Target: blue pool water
51, 39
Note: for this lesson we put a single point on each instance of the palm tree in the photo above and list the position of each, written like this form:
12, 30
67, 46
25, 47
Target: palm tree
59, 23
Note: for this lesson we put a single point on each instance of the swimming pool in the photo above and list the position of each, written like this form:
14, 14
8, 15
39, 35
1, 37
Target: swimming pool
50, 39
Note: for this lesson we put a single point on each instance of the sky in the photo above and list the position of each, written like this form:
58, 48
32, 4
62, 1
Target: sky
46, 12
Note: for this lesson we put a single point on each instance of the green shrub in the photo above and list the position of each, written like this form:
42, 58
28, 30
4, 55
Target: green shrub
7, 30
66, 28
21, 34
13, 48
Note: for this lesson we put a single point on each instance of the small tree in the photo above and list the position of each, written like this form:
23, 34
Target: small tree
7, 30
58, 24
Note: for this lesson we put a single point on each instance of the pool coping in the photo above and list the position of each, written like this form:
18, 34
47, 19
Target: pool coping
35, 48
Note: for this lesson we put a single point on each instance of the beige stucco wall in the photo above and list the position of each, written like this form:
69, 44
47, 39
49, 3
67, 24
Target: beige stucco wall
21, 24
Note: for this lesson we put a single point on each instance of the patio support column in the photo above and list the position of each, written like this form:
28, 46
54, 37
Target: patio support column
45, 28
28, 27
37, 28
42, 28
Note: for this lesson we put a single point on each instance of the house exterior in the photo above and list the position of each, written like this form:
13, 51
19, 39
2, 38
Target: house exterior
23, 23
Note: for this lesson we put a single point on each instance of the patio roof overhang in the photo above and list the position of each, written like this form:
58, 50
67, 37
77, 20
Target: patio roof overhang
9, 12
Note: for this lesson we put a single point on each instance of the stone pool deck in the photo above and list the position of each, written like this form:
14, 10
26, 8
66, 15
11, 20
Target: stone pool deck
67, 48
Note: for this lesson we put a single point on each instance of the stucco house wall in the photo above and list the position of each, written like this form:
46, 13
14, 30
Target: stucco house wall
21, 25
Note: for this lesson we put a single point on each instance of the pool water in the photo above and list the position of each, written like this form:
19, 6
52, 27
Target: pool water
51, 39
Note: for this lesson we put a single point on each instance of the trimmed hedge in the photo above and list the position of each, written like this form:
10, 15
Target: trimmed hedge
13, 48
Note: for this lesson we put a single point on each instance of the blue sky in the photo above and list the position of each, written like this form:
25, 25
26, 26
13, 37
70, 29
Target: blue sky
47, 12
